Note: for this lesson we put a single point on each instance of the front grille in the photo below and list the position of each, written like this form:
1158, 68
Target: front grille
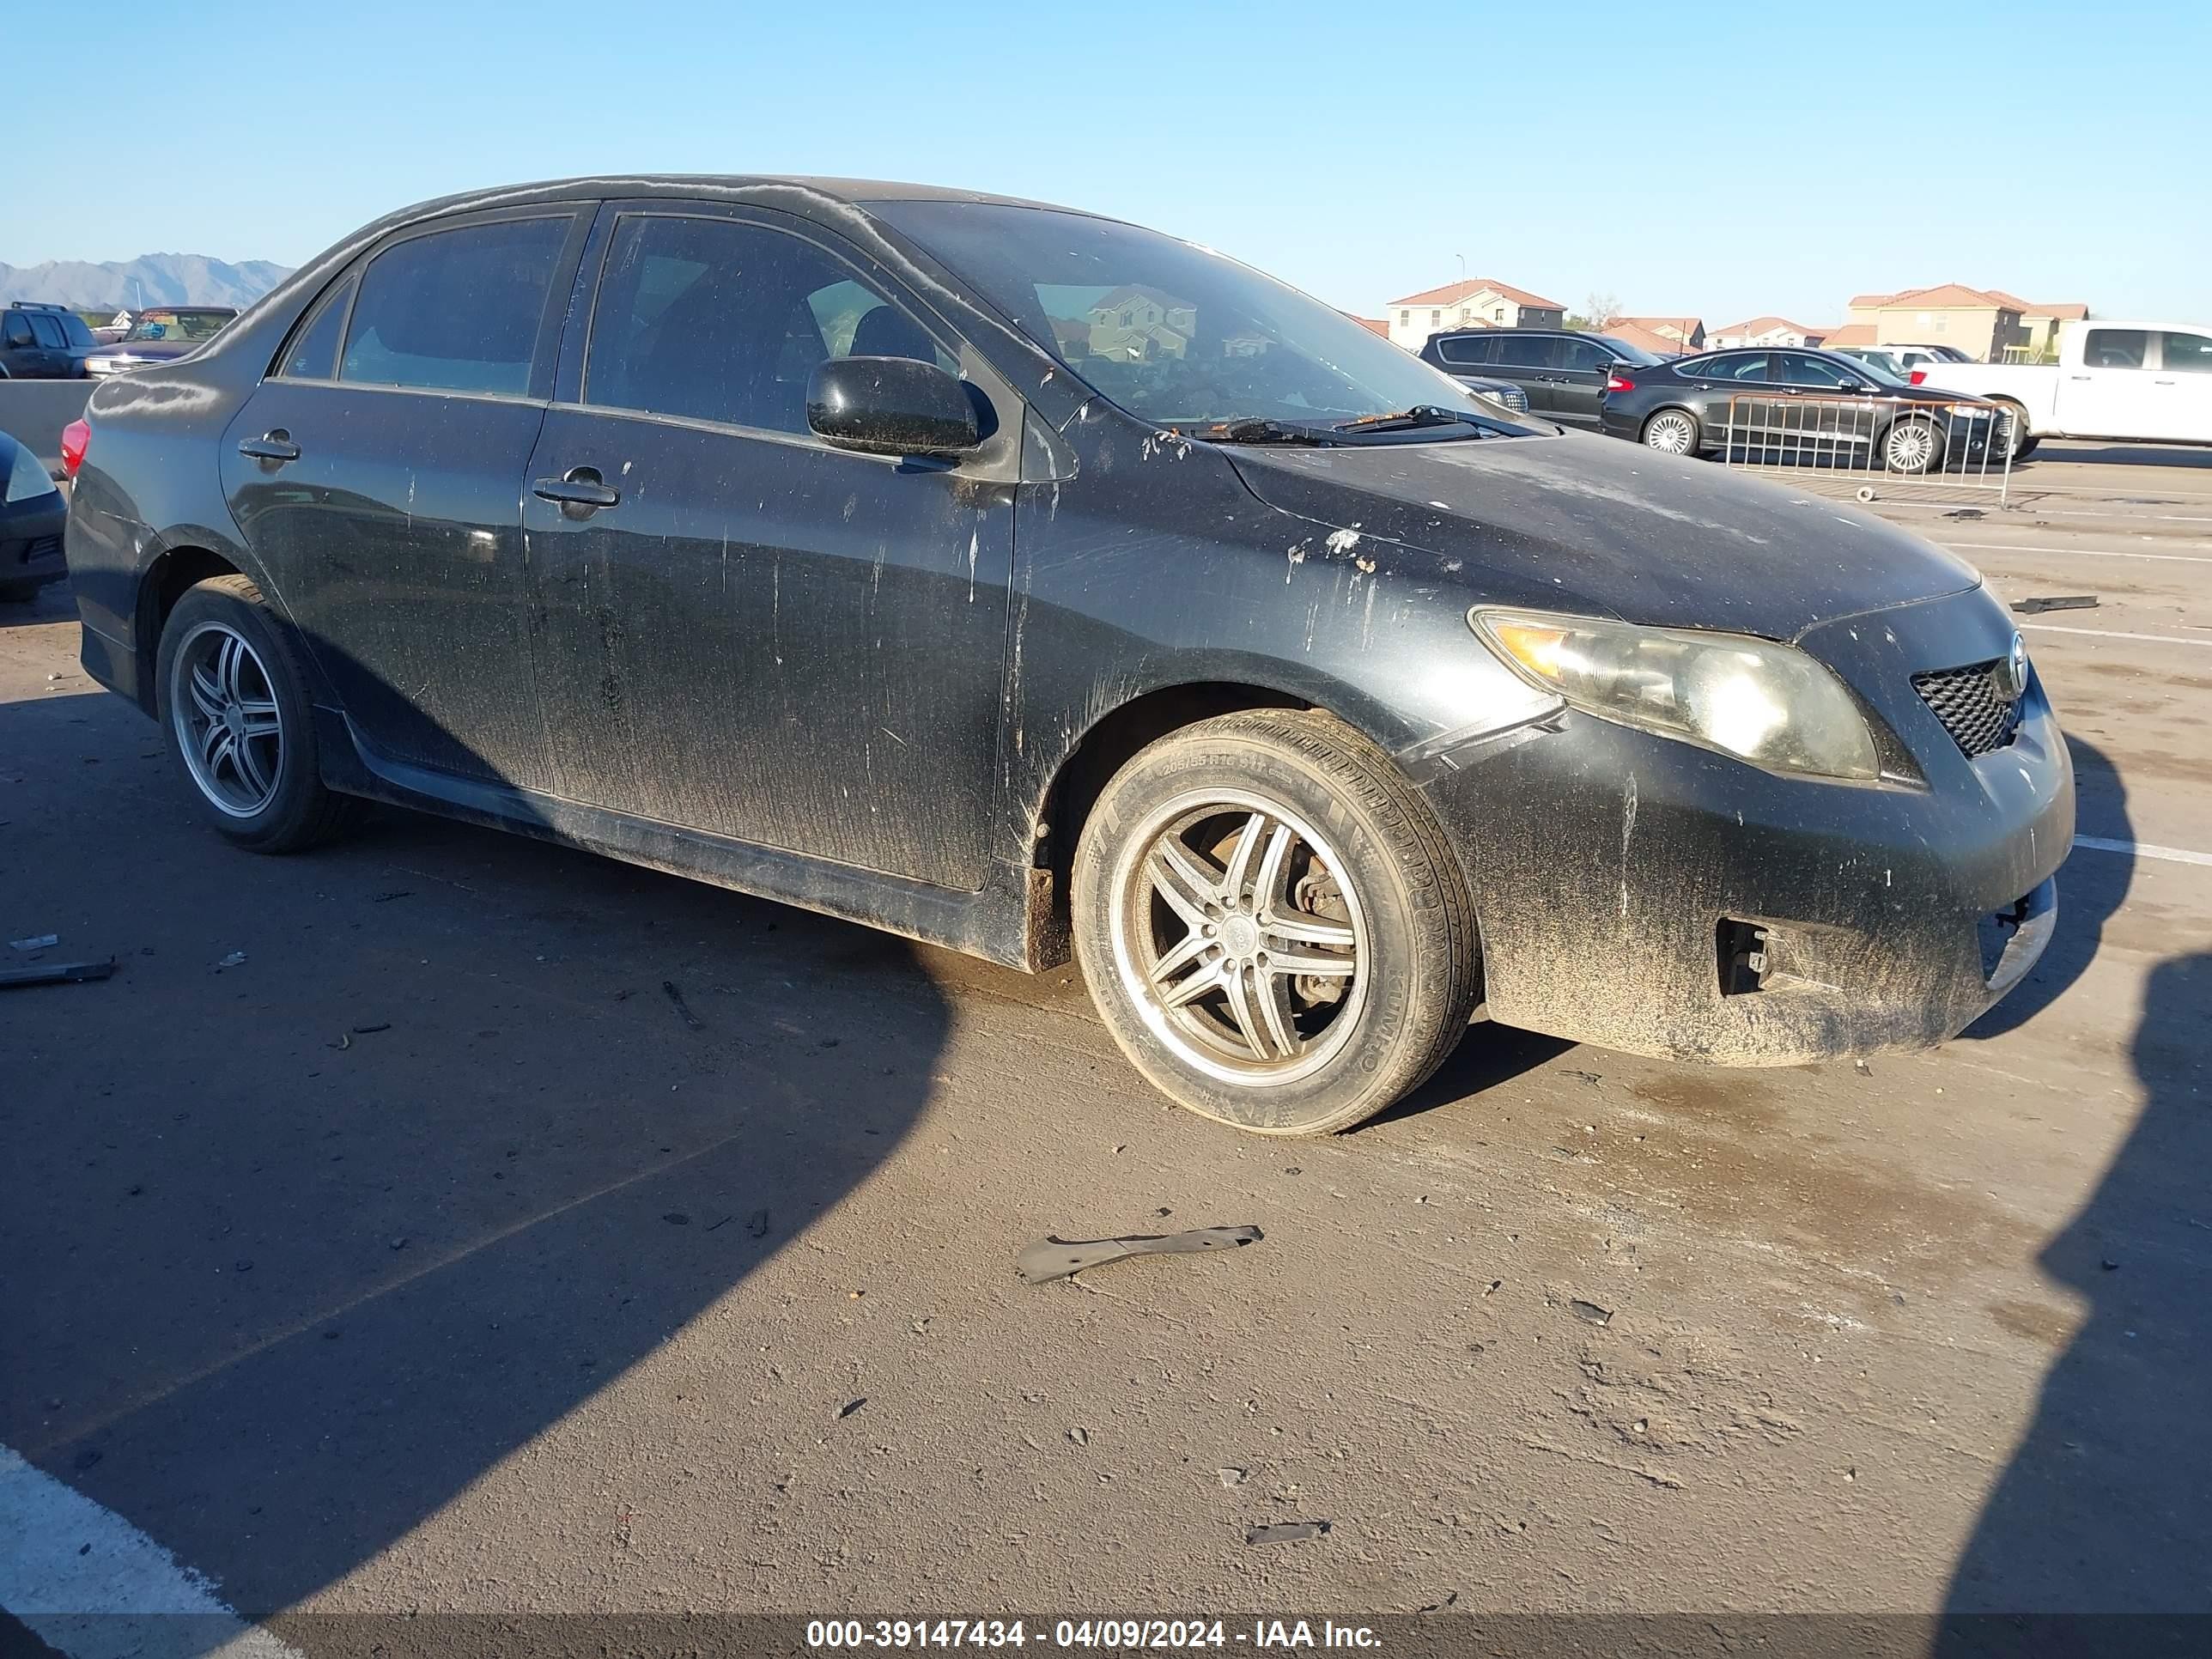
1513, 397
1966, 700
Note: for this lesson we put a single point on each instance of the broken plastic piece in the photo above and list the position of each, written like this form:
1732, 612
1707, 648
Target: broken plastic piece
1286, 1532
681, 1006
55, 973
1590, 1312
2057, 602
39, 943
1059, 1258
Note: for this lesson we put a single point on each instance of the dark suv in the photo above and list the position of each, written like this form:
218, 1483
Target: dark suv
42, 343
1563, 372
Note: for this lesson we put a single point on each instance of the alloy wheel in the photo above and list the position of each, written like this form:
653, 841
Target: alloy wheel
1670, 433
1910, 447
222, 705
1238, 938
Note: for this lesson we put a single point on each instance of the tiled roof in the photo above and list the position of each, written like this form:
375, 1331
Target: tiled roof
1452, 293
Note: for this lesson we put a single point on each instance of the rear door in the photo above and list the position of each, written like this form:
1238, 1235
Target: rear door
1736, 396
1820, 414
2109, 393
377, 474
762, 635
1529, 361
2184, 382
1579, 390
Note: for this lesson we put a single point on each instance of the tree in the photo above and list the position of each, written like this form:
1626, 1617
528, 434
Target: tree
1601, 308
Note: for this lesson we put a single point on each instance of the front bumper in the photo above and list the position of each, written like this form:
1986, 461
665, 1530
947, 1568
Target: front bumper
1646, 894
31, 539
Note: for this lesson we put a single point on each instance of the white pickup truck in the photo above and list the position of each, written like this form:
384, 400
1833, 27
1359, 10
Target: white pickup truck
2141, 382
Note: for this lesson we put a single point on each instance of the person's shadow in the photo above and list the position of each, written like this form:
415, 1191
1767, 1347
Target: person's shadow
2107, 1506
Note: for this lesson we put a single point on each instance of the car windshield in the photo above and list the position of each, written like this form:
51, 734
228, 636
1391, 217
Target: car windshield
1173, 333
178, 325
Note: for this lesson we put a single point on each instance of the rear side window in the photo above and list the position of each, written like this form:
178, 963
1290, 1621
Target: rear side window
75, 332
1736, 366
1798, 369
2189, 353
313, 352
2115, 347
1527, 351
1476, 350
711, 319
1585, 356
456, 310
47, 331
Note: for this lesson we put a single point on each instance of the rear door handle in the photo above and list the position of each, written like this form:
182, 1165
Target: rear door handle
579, 491
274, 445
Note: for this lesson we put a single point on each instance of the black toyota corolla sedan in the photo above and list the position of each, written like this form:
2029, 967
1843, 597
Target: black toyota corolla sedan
1802, 407
1023, 581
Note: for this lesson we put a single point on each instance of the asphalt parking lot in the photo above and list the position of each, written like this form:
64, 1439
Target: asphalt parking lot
382, 1237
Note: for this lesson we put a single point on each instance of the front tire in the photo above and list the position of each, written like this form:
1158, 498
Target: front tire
1272, 924
2023, 441
233, 699
1673, 432
1912, 447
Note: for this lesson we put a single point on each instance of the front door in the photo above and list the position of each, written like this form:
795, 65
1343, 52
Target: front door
2183, 382
755, 633
1579, 390
1823, 415
379, 486
2109, 394
1529, 361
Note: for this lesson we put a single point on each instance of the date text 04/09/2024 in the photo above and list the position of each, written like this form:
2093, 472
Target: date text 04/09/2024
1166, 1634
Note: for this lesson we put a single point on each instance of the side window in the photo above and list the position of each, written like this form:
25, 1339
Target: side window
313, 352
2115, 348
1798, 369
46, 330
715, 320
455, 310
1586, 355
14, 329
2189, 353
75, 332
1527, 351
1468, 350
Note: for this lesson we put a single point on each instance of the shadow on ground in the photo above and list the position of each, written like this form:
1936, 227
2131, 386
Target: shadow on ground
372, 1163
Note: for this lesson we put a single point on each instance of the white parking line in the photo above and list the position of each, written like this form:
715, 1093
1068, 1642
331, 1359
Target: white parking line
2083, 552
2113, 634
95, 1587
2138, 849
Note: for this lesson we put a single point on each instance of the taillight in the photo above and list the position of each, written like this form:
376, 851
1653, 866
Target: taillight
77, 437
1618, 383
1920, 377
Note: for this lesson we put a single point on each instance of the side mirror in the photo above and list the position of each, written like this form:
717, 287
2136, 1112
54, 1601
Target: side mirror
891, 406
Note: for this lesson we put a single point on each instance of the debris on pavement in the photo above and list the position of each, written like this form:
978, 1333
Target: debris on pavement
677, 1218
756, 1224
1232, 1477
2036, 607
1286, 1532
39, 943
235, 959
852, 1406
683, 1008
1079, 1435
1061, 1258
372, 1029
56, 973
1590, 1313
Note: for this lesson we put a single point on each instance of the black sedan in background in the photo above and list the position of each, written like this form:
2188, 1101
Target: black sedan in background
1810, 407
32, 514
1023, 580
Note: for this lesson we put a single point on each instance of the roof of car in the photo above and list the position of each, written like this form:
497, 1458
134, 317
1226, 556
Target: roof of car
861, 191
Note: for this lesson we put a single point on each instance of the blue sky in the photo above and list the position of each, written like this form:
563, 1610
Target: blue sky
1717, 159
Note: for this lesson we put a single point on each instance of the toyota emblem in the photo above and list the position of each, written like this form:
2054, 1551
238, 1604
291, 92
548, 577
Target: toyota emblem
2010, 675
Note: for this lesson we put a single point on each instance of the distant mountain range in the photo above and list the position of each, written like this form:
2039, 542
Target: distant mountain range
175, 279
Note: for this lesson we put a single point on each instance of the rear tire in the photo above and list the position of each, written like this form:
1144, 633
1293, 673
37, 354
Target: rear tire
1272, 924
1674, 432
232, 696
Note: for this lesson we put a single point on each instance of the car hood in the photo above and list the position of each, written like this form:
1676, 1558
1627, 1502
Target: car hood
1596, 525
148, 351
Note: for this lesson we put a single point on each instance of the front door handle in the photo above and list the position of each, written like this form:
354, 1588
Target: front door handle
274, 445
579, 491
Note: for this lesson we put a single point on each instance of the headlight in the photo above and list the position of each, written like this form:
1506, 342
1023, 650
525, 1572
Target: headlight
1766, 703
26, 475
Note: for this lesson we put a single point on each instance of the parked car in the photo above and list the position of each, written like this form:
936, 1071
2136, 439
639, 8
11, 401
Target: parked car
1561, 371
32, 513
2133, 382
1016, 578
1809, 404
42, 342
161, 335
1880, 356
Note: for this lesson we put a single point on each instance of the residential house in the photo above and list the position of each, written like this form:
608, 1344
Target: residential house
1666, 336
1767, 331
1984, 325
1373, 326
1141, 323
1478, 302
2040, 323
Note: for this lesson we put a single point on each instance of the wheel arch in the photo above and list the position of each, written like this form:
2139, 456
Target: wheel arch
168, 576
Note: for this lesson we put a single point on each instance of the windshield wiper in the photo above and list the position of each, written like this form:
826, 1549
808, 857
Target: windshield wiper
1420, 415
1258, 429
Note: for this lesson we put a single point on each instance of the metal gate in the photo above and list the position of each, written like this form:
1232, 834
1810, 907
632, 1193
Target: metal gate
1873, 448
